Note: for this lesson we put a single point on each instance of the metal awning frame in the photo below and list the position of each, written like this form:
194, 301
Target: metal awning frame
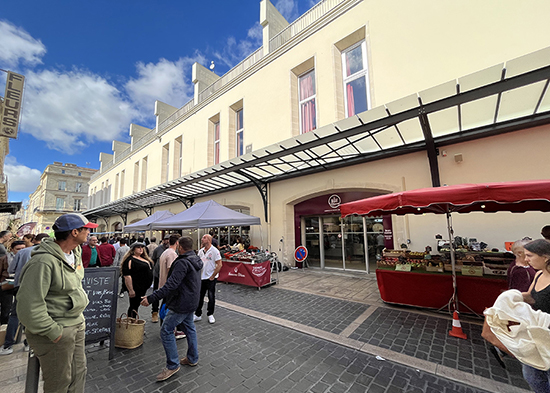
314, 152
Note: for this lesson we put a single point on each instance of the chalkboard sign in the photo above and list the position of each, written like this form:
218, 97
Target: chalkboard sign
101, 286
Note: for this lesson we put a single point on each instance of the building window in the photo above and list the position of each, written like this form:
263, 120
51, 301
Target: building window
136, 177
78, 187
165, 163
79, 173
77, 205
354, 66
239, 133
178, 157
61, 185
216, 143
144, 173
62, 171
306, 87
59, 203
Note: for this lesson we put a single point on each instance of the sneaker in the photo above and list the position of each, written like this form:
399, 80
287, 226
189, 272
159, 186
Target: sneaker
155, 317
211, 319
179, 335
6, 351
195, 318
186, 362
26, 348
121, 295
165, 374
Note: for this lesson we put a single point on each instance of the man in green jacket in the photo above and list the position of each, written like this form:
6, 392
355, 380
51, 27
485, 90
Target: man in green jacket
50, 302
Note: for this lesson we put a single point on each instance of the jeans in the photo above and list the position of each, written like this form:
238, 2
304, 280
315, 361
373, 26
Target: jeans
13, 323
63, 364
210, 287
169, 340
537, 379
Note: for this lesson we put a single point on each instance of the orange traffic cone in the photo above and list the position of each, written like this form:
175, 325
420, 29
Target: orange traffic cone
457, 329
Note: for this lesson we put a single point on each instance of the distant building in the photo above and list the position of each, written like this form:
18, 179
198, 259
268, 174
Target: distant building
63, 189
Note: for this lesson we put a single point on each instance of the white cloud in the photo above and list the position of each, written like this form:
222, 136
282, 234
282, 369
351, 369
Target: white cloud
17, 46
288, 9
165, 81
20, 177
234, 52
69, 109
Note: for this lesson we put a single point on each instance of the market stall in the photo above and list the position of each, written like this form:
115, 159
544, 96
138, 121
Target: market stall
515, 197
255, 271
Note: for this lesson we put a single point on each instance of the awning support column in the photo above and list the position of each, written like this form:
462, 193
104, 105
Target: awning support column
430, 147
261, 186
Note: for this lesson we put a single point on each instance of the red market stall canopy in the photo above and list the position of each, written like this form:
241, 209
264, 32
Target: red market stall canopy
516, 197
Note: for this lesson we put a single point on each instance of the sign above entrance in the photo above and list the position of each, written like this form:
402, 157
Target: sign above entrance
334, 201
300, 254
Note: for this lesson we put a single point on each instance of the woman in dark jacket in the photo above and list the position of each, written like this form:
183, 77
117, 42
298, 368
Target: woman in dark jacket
137, 270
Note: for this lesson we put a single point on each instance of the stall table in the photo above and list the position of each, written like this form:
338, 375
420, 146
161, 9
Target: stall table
246, 273
433, 290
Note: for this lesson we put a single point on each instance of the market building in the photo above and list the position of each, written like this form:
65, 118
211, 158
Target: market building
63, 189
351, 100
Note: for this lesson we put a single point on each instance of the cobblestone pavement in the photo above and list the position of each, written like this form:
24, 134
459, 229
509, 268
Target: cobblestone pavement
312, 332
243, 354
405, 332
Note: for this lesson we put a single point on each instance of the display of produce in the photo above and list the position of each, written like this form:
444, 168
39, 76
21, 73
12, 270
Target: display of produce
467, 262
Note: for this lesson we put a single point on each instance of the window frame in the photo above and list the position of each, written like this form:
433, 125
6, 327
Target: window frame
239, 132
61, 182
312, 97
216, 144
363, 73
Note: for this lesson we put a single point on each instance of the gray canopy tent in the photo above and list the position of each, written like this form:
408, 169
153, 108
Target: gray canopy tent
207, 214
146, 223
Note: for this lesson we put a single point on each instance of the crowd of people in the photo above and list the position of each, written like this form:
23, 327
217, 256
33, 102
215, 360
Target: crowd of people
47, 296
48, 299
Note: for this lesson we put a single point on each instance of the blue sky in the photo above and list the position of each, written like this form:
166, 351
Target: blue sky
94, 67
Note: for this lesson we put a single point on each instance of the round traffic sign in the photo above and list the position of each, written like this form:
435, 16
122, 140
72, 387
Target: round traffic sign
300, 254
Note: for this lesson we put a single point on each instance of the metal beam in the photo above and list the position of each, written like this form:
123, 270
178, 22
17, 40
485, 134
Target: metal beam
262, 188
430, 148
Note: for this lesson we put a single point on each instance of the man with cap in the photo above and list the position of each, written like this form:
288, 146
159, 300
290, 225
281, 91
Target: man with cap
50, 302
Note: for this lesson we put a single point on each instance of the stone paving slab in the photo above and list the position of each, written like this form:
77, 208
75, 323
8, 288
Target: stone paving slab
243, 354
331, 315
427, 338
417, 335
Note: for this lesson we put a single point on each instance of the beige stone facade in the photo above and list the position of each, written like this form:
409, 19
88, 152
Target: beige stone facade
63, 189
396, 51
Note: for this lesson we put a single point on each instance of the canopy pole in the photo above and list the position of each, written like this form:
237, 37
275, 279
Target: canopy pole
453, 260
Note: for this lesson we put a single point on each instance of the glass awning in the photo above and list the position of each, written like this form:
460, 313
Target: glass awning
507, 97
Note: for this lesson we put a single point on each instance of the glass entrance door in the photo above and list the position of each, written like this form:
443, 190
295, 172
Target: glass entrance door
332, 242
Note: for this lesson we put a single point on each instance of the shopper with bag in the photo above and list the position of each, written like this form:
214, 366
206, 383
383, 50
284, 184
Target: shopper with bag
181, 294
137, 272
522, 331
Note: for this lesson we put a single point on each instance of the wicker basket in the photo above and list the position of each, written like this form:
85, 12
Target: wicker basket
129, 332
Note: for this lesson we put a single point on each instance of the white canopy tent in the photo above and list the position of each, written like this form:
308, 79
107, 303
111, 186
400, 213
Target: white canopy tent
146, 223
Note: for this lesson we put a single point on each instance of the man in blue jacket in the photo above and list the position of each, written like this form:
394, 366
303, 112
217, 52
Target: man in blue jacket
181, 292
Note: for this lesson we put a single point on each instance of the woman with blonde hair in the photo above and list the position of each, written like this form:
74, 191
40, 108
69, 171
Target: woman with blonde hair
137, 272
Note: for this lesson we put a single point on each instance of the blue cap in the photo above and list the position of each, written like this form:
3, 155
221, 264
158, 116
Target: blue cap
70, 221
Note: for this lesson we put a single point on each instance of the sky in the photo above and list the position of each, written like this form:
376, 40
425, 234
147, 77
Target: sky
94, 67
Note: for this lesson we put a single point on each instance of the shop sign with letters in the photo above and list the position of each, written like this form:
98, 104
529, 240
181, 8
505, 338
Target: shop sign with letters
11, 110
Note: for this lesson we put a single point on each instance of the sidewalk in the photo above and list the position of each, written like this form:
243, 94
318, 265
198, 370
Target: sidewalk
315, 331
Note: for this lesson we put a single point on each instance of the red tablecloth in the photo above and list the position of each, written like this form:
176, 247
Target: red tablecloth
435, 290
255, 275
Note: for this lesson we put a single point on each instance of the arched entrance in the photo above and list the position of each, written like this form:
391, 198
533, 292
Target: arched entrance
352, 243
